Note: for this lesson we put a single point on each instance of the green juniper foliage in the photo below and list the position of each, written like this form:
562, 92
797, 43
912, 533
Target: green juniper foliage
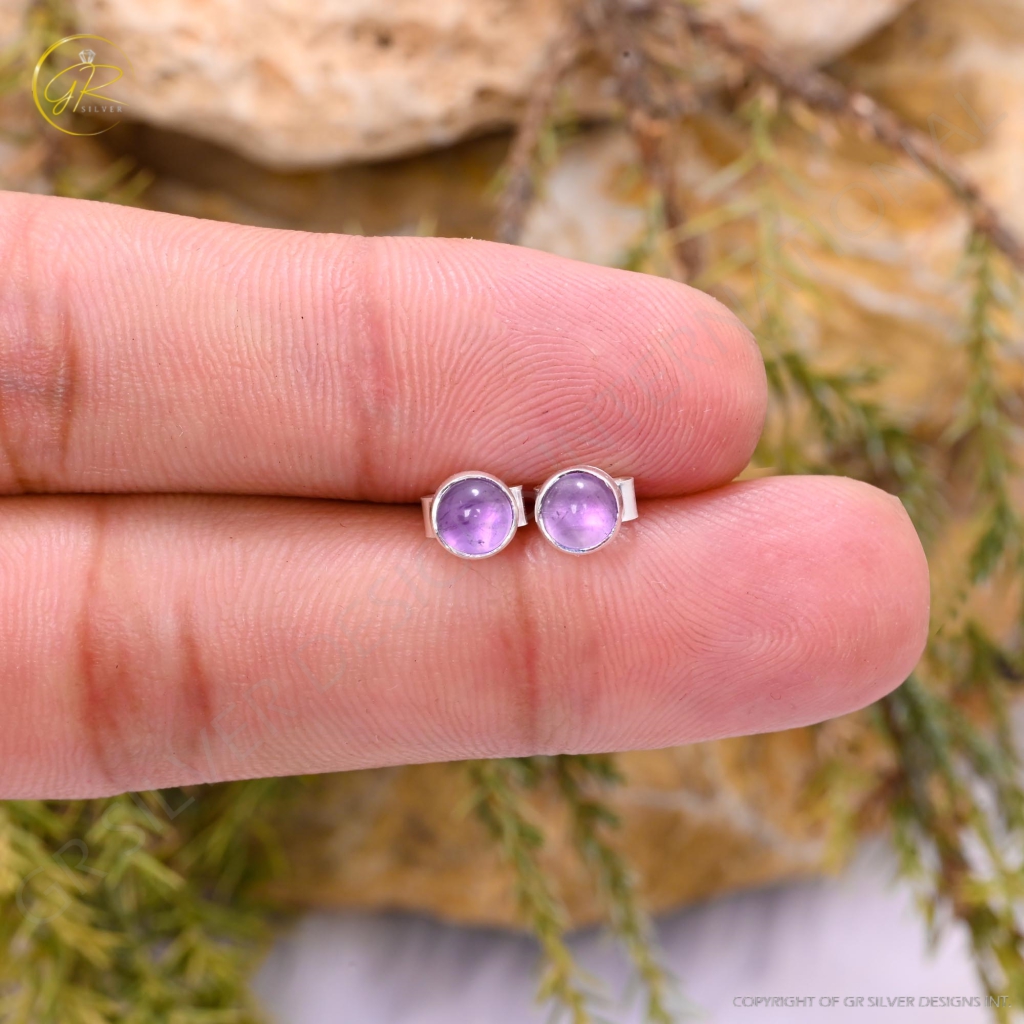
499, 788
955, 796
146, 907
498, 801
958, 812
577, 778
137, 908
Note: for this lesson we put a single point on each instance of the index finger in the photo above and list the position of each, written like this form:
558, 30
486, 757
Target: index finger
142, 351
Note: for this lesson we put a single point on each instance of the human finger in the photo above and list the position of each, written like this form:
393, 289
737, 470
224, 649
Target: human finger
157, 640
142, 351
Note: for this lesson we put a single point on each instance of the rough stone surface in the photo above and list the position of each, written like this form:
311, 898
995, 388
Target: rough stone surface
600, 169
12, 14
696, 821
307, 82
300, 83
958, 69
810, 31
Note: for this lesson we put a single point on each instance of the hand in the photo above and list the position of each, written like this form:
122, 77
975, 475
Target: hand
178, 604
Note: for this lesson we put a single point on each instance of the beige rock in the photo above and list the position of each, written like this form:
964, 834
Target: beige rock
297, 83
808, 30
12, 17
958, 70
300, 83
590, 207
696, 821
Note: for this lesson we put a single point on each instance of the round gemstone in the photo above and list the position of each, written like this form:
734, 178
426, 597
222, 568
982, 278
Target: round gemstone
474, 516
579, 511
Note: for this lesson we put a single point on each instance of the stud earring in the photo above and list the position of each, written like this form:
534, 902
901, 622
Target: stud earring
473, 514
580, 509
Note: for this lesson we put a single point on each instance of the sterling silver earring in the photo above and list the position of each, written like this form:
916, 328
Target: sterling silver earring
473, 514
580, 509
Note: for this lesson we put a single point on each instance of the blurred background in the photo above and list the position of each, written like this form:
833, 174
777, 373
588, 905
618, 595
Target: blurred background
849, 178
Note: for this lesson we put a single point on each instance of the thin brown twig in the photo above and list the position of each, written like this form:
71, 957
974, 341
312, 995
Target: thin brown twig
615, 32
822, 92
518, 190
612, 26
621, 32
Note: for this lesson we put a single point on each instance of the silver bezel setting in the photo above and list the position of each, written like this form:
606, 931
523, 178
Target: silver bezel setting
625, 503
431, 502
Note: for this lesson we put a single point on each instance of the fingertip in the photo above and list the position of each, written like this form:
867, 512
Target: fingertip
869, 611
762, 605
267, 362
641, 374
